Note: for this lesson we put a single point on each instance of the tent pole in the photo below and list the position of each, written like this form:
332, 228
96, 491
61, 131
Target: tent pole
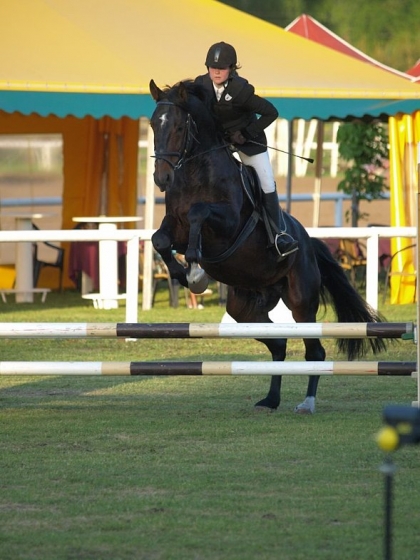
103, 200
289, 169
318, 172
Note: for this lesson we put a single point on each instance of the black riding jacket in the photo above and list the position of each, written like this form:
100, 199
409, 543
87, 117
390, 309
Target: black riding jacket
238, 109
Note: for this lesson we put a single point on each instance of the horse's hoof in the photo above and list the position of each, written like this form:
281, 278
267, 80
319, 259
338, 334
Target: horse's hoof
307, 407
264, 409
199, 285
197, 279
264, 405
302, 410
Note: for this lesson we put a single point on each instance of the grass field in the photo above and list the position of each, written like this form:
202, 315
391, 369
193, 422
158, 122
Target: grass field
181, 468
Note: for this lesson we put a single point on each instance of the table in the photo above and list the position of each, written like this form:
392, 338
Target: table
108, 296
84, 265
24, 286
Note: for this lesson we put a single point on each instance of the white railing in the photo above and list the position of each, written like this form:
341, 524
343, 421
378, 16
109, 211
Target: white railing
337, 197
371, 235
133, 236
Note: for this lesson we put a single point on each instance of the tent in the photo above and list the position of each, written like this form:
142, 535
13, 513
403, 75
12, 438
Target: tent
96, 58
307, 26
415, 71
404, 140
404, 133
83, 68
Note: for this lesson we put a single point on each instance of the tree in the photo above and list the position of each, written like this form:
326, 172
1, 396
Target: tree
365, 147
383, 29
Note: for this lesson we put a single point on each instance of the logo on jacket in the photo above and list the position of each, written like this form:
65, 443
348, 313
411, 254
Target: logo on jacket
228, 97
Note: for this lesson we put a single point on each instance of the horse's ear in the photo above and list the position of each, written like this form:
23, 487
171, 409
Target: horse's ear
155, 91
182, 92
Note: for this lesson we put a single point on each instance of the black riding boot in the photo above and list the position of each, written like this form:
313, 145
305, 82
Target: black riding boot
284, 242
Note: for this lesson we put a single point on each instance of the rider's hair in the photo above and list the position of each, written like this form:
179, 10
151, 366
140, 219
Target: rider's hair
233, 70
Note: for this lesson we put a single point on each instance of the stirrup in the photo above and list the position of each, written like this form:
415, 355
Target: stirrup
294, 245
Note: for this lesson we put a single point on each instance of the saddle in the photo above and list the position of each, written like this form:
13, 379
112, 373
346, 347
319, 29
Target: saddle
252, 188
251, 184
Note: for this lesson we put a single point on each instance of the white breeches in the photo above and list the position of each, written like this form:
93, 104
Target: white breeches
261, 164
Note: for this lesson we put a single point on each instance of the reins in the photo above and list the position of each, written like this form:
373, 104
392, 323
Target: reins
190, 138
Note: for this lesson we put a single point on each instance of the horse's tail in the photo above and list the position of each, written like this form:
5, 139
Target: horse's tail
348, 305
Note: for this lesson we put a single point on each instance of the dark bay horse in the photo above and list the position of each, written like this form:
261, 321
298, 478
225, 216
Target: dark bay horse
213, 220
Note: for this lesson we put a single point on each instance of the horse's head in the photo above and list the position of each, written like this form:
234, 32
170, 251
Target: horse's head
175, 129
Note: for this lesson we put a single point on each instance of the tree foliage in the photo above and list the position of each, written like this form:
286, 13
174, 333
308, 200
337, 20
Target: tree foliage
365, 147
383, 29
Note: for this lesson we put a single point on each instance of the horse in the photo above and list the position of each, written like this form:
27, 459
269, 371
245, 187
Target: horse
213, 220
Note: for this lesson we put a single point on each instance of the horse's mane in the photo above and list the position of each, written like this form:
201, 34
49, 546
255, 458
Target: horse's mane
194, 89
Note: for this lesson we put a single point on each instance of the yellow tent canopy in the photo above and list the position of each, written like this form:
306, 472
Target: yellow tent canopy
96, 57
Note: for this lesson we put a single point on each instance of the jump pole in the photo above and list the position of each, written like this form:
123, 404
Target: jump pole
208, 368
207, 330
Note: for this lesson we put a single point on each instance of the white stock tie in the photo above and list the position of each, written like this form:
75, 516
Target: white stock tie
219, 91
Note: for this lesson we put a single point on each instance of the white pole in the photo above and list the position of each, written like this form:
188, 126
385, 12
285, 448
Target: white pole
372, 259
149, 214
108, 275
132, 281
24, 264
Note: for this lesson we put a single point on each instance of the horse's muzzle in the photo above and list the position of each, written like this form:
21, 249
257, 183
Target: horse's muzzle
163, 177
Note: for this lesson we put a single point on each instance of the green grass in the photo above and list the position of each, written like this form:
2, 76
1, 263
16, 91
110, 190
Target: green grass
182, 467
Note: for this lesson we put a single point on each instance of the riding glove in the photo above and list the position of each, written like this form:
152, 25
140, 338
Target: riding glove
237, 137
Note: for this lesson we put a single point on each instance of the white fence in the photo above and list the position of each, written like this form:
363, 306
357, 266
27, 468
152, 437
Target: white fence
371, 235
305, 141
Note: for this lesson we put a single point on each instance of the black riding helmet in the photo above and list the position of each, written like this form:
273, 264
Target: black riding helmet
221, 55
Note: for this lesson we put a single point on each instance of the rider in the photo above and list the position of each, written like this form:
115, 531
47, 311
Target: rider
236, 106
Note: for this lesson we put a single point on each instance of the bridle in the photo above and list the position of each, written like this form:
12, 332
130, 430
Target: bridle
190, 137
188, 141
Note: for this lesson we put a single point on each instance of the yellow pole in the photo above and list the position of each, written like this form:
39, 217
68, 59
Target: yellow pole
417, 403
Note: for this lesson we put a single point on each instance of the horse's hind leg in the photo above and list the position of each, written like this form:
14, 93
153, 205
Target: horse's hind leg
315, 353
251, 307
277, 347
302, 298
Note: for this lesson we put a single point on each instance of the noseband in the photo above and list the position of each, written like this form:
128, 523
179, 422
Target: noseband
189, 138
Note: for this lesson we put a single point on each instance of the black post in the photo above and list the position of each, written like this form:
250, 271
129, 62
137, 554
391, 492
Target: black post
388, 468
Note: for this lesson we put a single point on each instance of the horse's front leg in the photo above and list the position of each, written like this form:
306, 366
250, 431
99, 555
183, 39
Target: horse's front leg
196, 276
162, 241
220, 220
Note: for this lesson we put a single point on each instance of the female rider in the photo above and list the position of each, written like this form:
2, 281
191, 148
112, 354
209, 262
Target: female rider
236, 107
